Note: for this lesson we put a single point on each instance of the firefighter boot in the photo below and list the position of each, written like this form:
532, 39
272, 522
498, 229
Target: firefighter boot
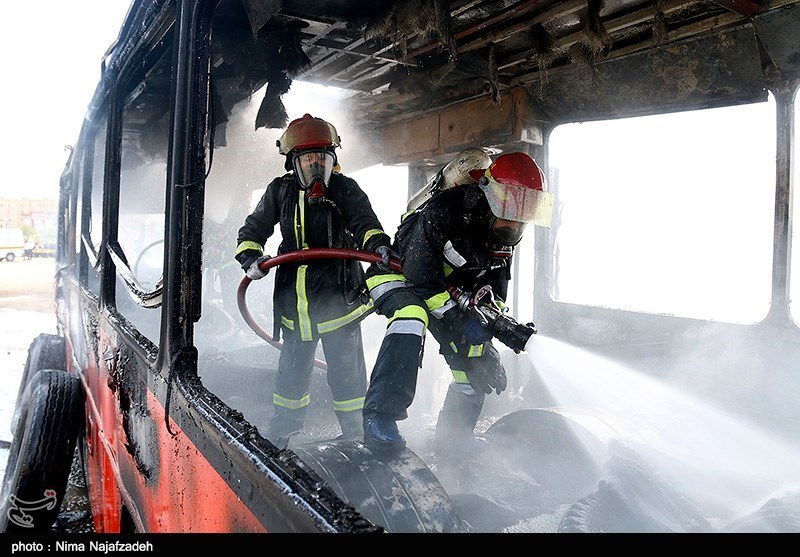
351, 424
381, 434
455, 427
285, 424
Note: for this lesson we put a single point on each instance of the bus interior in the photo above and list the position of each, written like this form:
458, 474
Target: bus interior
660, 392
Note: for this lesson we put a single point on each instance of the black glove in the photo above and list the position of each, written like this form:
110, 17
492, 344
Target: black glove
486, 375
247, 258
474, 332
386, 254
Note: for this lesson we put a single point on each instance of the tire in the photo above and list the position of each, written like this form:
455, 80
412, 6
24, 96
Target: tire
40, 457
399, 493
552, 449
9, 257
45, 352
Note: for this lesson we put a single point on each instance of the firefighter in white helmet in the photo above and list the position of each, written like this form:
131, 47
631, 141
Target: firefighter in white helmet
321, 300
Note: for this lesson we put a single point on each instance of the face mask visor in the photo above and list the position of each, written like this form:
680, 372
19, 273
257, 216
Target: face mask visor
312, 167
517, 203
507, 232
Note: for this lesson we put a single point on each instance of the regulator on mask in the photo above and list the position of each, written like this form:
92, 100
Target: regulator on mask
500, 253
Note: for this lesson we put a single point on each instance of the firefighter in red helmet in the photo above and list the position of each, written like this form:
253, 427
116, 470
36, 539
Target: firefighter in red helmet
315, 206
463, 236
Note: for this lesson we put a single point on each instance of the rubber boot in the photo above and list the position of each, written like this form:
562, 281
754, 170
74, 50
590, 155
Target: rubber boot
285, 423
381, 434
455, 427
351, 424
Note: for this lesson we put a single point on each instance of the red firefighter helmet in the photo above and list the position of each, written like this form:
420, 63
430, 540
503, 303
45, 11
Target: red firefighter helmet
308, 132
515, 188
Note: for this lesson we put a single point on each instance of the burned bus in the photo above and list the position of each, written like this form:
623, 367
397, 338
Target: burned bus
661, 391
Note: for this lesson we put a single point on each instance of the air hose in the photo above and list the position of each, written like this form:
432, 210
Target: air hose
298, 257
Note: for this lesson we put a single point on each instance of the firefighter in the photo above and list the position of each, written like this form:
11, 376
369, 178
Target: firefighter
325, 300
463, 236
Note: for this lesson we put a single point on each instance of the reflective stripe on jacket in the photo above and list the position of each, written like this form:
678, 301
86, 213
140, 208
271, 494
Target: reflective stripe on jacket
317, 296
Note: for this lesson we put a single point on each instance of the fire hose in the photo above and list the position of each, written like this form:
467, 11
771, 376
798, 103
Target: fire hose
511, 333
298, 257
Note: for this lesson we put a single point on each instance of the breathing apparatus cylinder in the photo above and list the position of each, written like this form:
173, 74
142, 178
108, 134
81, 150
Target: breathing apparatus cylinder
454, 173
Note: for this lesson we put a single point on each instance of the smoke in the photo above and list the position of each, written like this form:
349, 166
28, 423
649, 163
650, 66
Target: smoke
725, 463
635, 446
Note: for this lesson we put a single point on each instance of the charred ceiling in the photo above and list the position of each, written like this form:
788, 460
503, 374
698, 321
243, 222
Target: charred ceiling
574, 59
577, 59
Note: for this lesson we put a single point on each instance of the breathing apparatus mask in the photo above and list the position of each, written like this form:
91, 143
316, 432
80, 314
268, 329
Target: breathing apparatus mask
506, 232
503, 236
313, 169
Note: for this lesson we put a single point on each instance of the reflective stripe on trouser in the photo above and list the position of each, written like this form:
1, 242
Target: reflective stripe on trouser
346, 375
394, 378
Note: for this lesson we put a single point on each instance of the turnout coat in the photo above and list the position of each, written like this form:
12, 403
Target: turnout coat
319, 296
446, 242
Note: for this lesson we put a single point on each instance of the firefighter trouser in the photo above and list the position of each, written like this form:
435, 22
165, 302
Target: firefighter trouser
394, 378
462, 404
347, 378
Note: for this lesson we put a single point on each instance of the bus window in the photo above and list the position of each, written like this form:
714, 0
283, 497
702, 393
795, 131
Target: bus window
74, 212
669, 214
142, 198
794, 274
234, 363
92, 203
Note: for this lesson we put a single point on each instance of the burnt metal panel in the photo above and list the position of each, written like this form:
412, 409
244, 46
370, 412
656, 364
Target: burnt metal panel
777, 31
475, 122
481, 121
411, 138
711, 71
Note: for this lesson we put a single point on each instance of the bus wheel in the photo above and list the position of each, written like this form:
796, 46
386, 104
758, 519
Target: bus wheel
400, 493
9, 257
41, 453
45, 352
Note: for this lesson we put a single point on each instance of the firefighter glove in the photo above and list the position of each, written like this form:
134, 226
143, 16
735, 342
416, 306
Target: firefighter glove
487, 375
386, 254
254, 271
247, 257
467, 325
474, 332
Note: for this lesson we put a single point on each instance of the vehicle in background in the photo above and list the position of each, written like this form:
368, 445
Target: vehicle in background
12, 244
44, 249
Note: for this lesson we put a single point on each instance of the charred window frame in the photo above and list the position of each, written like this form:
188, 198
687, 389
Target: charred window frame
90, 203
793, 153
142, 97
